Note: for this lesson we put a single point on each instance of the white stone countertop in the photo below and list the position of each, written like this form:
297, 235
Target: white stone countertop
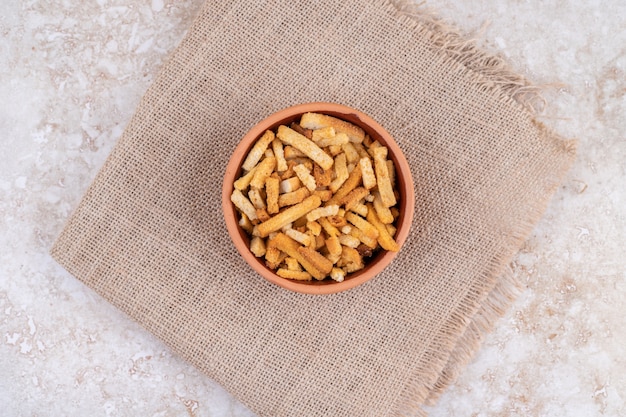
71, 75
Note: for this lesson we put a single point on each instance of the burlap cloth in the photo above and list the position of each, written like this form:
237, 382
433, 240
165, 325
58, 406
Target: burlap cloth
149, 234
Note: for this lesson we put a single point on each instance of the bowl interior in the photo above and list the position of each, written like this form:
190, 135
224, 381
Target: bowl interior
375, 264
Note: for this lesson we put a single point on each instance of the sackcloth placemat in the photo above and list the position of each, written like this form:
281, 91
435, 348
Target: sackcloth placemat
149, 235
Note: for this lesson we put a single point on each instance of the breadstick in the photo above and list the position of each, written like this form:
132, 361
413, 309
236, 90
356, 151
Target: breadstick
289, 246
304, 145
382, 176
318, 121
258, 150
288, 216
384, 238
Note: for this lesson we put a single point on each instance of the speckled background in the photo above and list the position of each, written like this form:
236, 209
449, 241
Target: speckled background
71, 74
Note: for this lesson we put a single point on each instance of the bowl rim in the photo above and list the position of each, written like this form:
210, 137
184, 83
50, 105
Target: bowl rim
233, 168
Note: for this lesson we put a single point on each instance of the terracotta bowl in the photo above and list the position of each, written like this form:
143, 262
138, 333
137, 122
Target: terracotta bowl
375, 264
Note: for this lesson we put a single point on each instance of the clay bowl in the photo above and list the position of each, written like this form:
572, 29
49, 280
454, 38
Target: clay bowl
404, 185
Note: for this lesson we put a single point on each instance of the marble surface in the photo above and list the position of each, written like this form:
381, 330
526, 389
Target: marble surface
71, 74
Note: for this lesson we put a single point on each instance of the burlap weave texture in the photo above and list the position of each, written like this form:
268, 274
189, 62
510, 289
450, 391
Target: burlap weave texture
149, 235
